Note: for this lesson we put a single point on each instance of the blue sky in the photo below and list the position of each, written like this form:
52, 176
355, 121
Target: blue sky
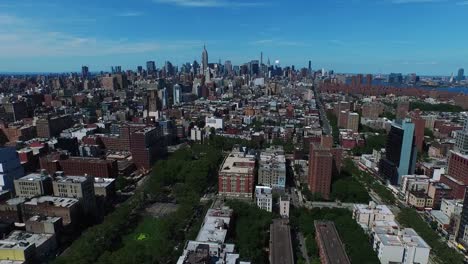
376, 36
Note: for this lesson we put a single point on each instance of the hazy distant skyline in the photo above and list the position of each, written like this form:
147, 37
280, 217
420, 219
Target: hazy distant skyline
427, 37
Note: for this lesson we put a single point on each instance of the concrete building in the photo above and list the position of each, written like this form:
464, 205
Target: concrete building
331, 249
210, 246
367, 215
79, 187
237, 176
353, 122
419, 200
10, 168
281, 251
461, 144
264, 198
104, 187
27, 247
66, 208
399, 246
33, 185
11, 210
320, 170
216, 123
197, 134
43, 224
272, 168
284, 204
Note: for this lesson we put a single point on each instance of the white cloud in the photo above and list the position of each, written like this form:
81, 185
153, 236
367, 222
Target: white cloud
23, 38
130, 14
209, 3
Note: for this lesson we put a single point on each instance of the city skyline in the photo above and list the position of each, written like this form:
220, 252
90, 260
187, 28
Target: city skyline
347, 36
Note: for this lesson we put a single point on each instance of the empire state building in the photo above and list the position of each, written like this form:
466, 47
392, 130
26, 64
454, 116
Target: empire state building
204, 59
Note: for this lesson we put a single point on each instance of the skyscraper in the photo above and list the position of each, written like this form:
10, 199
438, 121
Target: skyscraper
310, 67
84, 72
320, 170
461, 75
204, 59
400, 157
150, 67
177, 90
461, 143
228, 67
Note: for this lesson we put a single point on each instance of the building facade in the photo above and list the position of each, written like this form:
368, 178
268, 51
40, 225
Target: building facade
320, 170
236, 177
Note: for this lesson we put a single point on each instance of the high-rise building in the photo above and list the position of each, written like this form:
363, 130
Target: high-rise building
150, 67
204, 60
84, 72
400, 152
395, 78
461, 143
177, 94
153, 100
419, 125
254, 67
462, 235
272, 168
353, 121
116, 69
320, 170
147, 146
461, 75
310, 67
228, 67
10, 168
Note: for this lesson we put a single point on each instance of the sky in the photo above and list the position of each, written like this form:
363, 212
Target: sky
428, 37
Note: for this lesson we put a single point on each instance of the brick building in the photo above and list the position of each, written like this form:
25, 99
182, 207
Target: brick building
92, 166
236, 177
320, 170
48, 127
147, 146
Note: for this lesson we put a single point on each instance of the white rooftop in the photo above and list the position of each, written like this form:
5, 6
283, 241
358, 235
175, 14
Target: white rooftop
238, 162
56, 201
215, 226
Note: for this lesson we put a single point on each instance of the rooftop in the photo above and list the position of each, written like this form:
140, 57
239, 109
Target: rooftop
215, 225
372, 208
34, 177
23, 240
103, 182
71, 179
238, 162
52, 200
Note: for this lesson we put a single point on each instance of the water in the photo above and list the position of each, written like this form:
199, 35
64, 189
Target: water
451, 89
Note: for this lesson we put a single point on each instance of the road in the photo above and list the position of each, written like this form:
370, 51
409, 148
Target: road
323, 116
